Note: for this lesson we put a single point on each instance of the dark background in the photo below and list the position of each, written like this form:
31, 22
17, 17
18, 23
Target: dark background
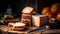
18, 5
44, 3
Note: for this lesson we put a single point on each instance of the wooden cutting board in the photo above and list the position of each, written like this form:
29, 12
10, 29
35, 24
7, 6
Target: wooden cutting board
4, 28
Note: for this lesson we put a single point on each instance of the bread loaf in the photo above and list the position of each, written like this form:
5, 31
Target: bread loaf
40, 20
26, 16
27, 13
26, 21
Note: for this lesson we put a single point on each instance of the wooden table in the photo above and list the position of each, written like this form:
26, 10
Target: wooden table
6, 30
51, 31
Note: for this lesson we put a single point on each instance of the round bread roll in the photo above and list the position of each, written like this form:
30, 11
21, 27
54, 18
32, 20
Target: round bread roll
58, 17
55, 7
46, 11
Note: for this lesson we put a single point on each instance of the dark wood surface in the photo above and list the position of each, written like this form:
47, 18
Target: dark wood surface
47, 31
52, 31
7, 29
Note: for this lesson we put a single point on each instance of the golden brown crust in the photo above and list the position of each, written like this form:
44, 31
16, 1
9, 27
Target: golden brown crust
55, 8
58, 17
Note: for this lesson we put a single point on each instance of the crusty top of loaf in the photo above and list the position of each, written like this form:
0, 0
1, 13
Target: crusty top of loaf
27, 10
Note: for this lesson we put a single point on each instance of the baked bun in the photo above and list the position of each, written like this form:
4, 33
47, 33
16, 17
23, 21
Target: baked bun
55, 7
58, 17
46, 11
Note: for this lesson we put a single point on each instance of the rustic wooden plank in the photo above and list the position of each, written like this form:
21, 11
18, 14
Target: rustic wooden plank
51, 31
6, 29
46, 31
